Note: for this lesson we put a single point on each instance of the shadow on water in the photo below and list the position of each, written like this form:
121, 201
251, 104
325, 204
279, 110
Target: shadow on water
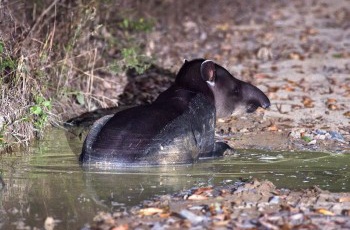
49, 181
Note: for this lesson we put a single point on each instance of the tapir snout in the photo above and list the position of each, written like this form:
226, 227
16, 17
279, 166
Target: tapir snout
254, 98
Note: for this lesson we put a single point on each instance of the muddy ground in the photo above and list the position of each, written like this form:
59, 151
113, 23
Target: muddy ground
298, 52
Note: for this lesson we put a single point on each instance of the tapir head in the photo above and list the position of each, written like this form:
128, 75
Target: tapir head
231, 95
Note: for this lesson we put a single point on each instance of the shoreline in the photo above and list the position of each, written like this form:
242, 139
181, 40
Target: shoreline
242, 205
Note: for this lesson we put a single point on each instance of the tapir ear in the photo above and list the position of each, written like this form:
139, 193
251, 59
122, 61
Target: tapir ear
208, 72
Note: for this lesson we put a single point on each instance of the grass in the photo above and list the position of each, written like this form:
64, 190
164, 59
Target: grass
57, 58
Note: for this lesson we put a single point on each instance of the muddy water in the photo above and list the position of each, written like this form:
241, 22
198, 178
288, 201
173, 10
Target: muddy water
48, 181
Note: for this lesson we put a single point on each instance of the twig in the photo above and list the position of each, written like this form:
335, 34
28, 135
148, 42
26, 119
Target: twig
41, 17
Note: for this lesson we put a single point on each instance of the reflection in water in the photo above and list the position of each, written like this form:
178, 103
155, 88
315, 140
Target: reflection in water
48, 181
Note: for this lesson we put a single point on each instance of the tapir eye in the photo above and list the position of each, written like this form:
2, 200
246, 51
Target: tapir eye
236, 90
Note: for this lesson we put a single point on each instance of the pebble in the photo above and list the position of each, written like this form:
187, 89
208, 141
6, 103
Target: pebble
336, 136
49, 223
313, 142
193, 218
274, 200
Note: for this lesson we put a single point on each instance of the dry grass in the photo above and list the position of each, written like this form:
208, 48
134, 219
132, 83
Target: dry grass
60, 53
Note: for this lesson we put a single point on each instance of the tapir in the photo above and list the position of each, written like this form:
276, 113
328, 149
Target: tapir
179, 126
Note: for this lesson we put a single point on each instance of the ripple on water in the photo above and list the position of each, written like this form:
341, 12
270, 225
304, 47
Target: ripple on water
50, 182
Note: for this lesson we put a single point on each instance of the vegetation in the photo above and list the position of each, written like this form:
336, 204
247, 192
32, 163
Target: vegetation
55, 57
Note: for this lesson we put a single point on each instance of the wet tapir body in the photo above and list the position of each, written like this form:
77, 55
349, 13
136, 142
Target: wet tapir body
179, 126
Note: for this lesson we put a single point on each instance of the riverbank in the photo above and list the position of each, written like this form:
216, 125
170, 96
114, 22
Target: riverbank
242, 205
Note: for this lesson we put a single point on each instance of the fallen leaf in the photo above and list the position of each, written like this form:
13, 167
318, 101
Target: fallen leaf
221, 223
164, 215
344, 199
296, 56
263, 76
347, 114
272, 128
226, 47
296, 106
273, 89
288, 88
150, 211
332, 107
223, 27
121, 227
331, 100
306, 138
311, 31
197, 197
274, 68
308, 102
204, 189
80, 99
324, 212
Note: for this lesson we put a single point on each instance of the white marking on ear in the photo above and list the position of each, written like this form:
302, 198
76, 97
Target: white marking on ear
208, 60
207, 71
211, 83
184, 61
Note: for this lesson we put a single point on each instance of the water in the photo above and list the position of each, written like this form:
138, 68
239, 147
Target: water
48, 181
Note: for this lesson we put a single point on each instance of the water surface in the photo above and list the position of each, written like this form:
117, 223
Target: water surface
48, 181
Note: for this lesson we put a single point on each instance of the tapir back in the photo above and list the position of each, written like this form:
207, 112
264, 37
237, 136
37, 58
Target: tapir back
165, 132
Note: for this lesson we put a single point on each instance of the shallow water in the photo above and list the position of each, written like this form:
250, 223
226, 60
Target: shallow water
48, 180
